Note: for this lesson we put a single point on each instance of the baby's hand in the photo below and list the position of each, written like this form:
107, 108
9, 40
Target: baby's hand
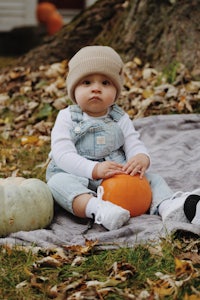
137, 164
106, 169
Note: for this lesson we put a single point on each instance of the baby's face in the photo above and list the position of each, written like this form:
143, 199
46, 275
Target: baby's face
95, 94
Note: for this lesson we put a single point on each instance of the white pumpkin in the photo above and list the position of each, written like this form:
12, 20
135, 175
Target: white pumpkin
25, 204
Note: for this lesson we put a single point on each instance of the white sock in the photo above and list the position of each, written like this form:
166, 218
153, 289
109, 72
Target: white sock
91, 207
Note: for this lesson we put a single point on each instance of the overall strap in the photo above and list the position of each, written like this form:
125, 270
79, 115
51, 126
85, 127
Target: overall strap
76, 113
116, 113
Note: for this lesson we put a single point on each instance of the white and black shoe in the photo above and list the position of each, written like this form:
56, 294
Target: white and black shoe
192, 208
182, 207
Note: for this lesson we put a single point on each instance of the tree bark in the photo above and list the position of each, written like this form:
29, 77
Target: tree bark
161, 32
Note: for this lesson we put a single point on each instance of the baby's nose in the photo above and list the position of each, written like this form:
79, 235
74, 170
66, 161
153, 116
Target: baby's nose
96, 87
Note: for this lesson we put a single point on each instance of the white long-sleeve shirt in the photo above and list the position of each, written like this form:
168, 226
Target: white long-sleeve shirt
65, 155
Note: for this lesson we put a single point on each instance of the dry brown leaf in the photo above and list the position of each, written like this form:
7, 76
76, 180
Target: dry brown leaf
80, 250
168, 284
56, 69
48, 261
193, 86
192, 297
184, 270
60, 103
163, 287
148, 73
38, 282
18, 72
192, 256
155, 250
22, 284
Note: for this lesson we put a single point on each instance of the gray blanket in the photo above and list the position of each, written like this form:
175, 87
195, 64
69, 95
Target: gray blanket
174, 145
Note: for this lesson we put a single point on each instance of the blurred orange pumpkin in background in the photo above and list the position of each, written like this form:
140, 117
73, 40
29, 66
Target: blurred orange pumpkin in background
48, 15
54, 23
44, 10
129, 192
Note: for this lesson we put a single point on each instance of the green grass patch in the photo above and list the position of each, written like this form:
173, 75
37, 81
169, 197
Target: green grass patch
123, 273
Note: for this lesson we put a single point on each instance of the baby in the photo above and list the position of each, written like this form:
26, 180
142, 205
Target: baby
95, 139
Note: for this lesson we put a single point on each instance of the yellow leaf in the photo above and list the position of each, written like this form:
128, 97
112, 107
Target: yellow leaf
29, 140
8, 249
138, 61
147, 93
183, 267
191, 297
27, 272
161, 287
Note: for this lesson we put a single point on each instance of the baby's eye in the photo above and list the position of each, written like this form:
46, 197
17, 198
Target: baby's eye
86, 82
106, 82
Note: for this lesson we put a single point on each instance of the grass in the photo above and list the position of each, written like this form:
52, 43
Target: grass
28, 160
114, 274
171, 71
5, 61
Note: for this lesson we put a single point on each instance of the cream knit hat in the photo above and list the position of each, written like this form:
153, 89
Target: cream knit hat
95, 59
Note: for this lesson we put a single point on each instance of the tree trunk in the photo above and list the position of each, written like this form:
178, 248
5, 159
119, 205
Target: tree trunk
160, 32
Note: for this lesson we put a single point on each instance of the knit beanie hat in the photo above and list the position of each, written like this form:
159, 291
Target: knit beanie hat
95, 59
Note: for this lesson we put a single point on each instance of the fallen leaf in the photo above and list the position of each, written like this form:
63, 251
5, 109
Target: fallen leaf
184, 270
79, 250
192, 256
29, 140
48, 262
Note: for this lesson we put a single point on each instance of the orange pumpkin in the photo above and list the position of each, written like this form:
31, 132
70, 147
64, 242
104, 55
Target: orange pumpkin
54, 23
44, 10
129, 192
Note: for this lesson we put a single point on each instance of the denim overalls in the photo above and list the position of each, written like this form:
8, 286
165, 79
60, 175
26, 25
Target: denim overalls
96, 139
